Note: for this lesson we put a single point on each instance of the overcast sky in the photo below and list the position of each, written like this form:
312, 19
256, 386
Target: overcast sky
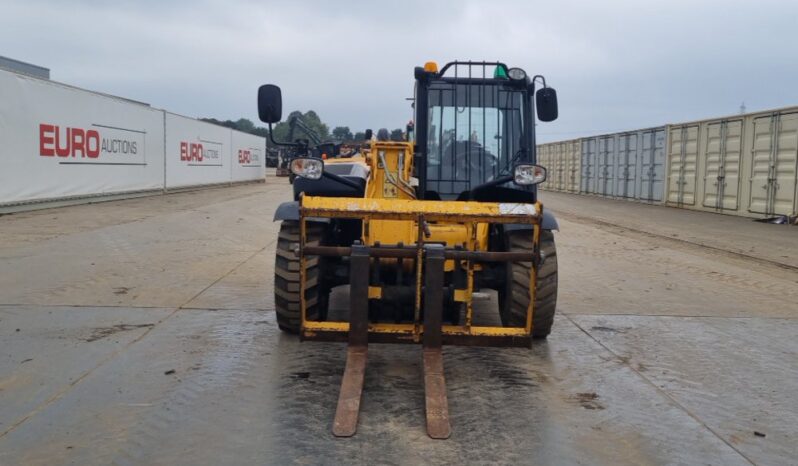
616, 65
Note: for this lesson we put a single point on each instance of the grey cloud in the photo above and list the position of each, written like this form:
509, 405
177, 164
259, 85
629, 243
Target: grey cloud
616, 65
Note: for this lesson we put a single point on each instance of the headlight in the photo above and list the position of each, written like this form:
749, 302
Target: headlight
516, 73
527, 175
307, 167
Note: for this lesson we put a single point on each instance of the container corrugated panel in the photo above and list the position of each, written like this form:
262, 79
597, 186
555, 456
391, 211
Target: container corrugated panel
574, 154
774, 151
561, 164
539, 161
589, 168
543, 160
551, 165
556, 166
607, 153
651, 164
682, 164
551, 175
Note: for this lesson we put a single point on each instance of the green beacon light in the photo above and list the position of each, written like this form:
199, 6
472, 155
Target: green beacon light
500, 73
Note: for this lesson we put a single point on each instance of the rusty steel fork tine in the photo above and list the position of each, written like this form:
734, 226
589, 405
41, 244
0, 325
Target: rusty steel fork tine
436, 402
345, 424
346, 414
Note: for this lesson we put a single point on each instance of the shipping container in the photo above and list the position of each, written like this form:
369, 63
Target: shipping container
628, 165
742, 165
563, 163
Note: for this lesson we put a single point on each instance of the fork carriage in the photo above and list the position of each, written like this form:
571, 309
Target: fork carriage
428, 261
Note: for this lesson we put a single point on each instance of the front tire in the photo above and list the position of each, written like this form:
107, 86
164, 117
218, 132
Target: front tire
514, 298
287, 280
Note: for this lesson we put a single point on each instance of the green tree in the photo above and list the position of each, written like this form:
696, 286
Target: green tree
397, 135
341, 133
310, 118
245, 125
359, 136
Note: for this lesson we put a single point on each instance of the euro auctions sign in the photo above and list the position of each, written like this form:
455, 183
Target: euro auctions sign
96, 144
208, 153
250, 157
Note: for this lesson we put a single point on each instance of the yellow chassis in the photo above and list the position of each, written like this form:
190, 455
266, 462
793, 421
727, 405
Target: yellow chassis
420, 214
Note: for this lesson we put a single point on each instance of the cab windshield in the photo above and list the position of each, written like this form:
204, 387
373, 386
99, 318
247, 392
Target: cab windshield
475, 132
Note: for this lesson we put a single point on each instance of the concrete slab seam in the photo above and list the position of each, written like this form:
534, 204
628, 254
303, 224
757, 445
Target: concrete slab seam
660, 390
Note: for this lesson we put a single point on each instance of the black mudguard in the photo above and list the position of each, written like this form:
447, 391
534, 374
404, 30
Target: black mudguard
290, 211
287, 211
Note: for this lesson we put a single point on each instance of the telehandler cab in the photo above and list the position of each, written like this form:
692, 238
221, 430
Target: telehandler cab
419, 229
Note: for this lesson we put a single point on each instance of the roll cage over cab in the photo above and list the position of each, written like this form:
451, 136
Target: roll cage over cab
473, 123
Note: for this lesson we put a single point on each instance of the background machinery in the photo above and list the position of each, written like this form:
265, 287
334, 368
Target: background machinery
303, 148
300, 147
420, 229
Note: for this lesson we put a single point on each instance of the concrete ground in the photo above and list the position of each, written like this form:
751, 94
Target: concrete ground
142, 332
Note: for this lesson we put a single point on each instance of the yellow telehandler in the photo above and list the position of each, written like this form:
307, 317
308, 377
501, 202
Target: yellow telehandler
419, 229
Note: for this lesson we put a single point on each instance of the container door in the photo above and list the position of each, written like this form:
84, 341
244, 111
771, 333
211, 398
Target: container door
682, 158
575, 155
652, 165
606, 167
559, 154
627, 165
773, 172
722, 164
588, 184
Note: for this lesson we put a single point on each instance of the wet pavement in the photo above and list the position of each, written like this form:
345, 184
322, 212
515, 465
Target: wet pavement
142, 332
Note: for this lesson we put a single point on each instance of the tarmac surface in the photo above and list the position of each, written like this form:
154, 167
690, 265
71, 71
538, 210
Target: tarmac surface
142, 332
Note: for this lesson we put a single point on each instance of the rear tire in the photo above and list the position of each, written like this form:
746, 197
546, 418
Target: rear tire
514, 299
286, 277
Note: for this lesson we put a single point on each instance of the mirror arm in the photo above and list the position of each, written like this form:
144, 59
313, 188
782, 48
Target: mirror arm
542, 80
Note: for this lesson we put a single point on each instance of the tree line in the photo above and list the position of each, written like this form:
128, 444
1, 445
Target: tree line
311, 120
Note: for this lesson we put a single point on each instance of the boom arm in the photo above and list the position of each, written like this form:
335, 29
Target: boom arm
297, 121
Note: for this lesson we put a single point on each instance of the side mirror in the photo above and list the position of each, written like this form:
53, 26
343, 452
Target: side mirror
270, 103
369, 134
546, 104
